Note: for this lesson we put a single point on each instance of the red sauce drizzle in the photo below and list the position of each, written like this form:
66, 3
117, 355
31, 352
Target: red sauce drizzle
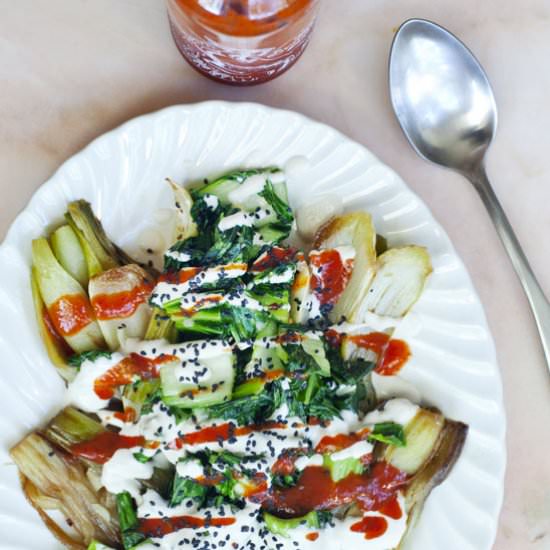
252, 486
312, 536
289, 337
103, 446
181, 276
268, 375
395, 356
272, 258
273, 374
316, 421
70, 314
300, 281
333, 443
392, 509
285, 463
374, 341
123, 304
256, 486
223, 432
158, 527
330, 275
213, 299
392, 354
373, 527
334, 338
129, 415
124, 372
315, 490
58, 341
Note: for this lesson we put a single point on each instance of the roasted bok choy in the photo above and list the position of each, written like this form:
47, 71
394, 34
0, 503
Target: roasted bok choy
387, 285
229, 401
88, 293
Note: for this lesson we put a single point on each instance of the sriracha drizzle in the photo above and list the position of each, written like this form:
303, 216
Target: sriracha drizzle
70, 314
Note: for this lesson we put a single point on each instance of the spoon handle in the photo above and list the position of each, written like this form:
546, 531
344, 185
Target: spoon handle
539, 304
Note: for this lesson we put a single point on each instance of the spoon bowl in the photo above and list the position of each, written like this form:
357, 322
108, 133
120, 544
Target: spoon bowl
441, 95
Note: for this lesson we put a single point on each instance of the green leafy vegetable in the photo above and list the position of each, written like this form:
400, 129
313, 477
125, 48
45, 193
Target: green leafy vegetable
226, 487
140, 457
281, 526
286, 480
232, 246
205, 216
281, 274
388, 432
313, 397
193, 247
161, 481
340, 469
185, 487
223, 185
151, 398
274, 299
224, 457
180, 414
91, 355
128, 521
160, 326
354, 372
222, 321
188, 392
127, 516
252, 387
324, 405
96, 545
140, 396
244, 324
249, 410
283, 211
206, 322
207, 495
324, 518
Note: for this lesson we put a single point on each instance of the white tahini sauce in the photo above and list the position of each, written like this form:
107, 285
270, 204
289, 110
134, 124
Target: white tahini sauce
166, 292
178, 256
357, 450
305, 461
81, 391
211, 201
239, 219
401, 411
122, 472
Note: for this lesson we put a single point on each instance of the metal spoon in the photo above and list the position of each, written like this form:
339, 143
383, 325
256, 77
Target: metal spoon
446, 108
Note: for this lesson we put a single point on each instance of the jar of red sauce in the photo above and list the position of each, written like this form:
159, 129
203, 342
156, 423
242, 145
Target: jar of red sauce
242, 42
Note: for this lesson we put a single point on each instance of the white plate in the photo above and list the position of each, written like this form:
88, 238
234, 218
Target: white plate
453, 359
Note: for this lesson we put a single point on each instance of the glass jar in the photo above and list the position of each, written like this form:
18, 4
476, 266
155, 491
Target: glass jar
242, 42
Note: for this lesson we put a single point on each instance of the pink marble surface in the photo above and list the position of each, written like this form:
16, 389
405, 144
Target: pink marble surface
72, 69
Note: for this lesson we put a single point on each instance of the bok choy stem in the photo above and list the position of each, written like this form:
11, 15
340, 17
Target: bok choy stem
59, 480
57, 349
67, 302
71, 426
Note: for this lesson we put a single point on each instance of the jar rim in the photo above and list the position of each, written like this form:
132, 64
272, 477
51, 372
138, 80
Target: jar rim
235, 24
